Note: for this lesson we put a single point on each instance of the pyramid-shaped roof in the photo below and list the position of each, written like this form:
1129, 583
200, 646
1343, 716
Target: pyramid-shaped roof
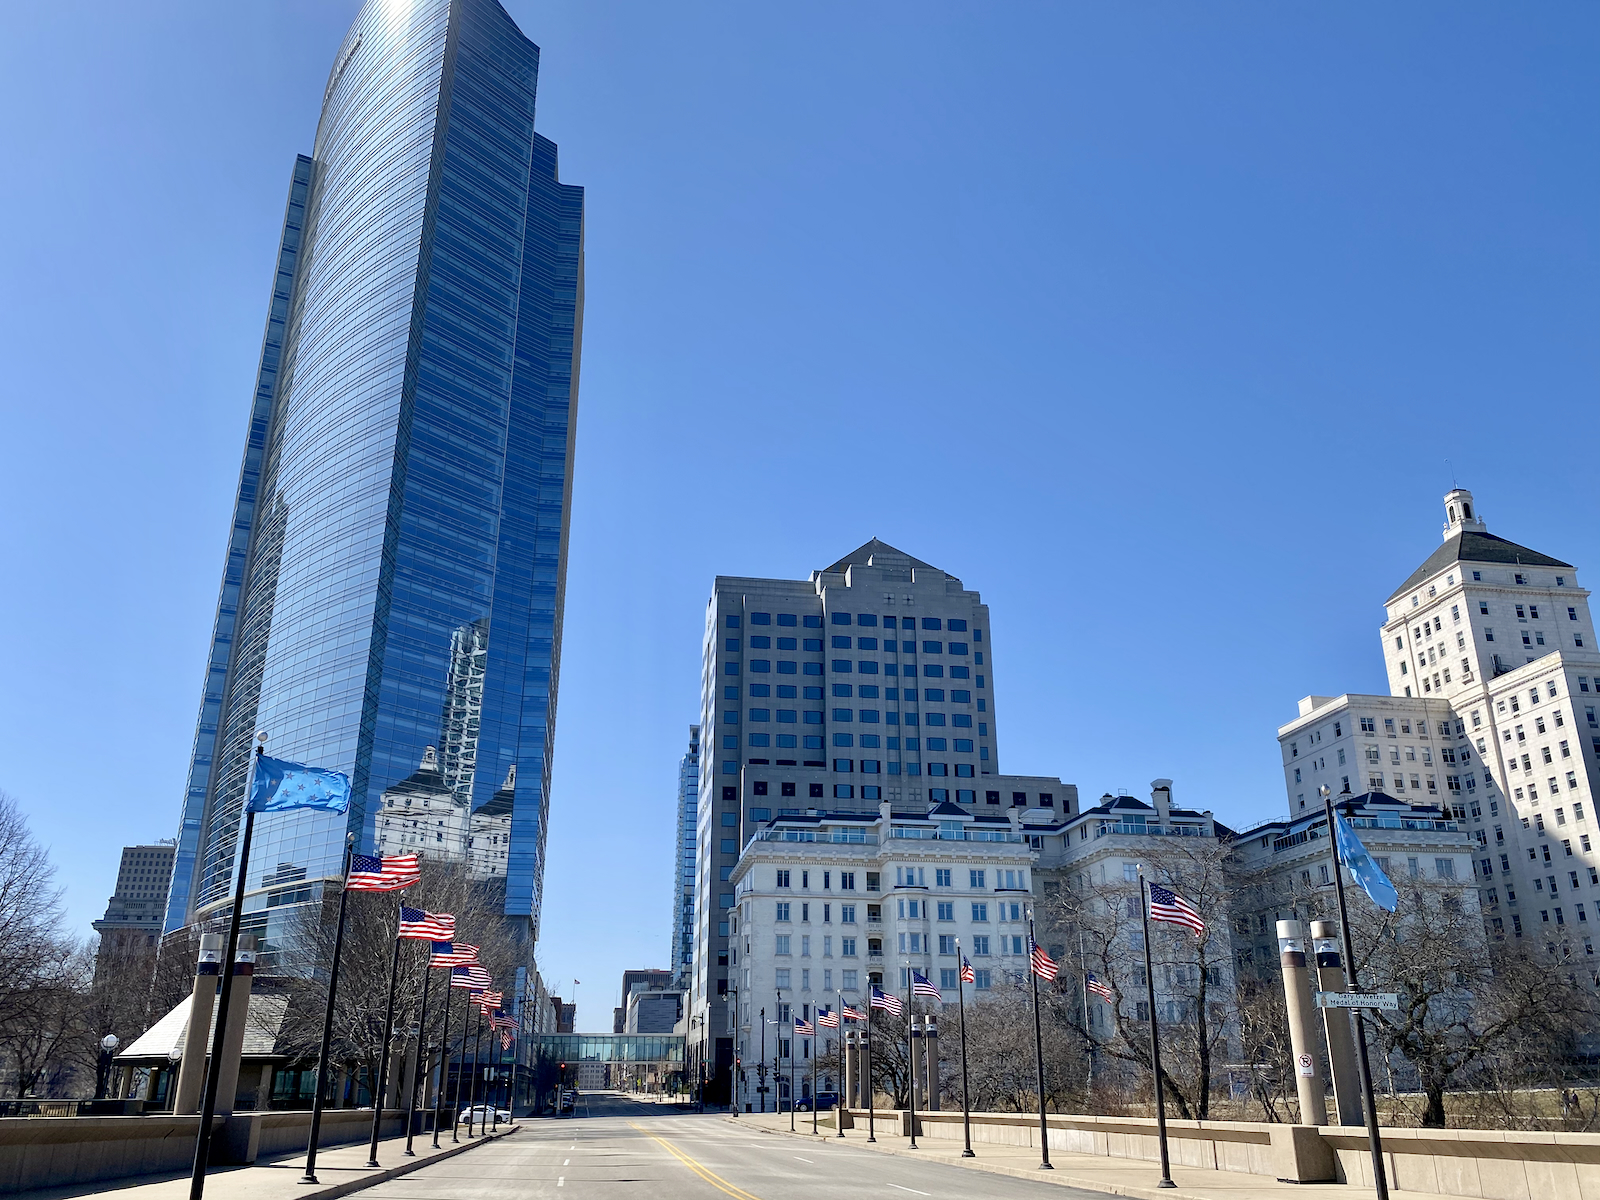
862, 556
1470, 546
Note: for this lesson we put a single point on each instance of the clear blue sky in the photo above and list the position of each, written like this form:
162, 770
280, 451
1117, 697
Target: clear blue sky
1155, 323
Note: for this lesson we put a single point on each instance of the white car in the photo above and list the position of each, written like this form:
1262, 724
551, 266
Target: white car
484, 1115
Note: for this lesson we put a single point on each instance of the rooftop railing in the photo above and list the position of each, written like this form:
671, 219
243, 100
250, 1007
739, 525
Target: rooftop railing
1151, 830
839, 837
915, 833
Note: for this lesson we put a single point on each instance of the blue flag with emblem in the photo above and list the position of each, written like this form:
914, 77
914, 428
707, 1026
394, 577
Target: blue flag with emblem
280, 786
1363, 869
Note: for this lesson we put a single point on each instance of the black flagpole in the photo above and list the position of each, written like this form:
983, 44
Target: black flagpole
327, 1024
383, 1054
813, 1073
911, 1055
1155, 1040
444, 1059
1038, 1050
455, 1095
961, 1003
208, 1110
422, 1058
477, 1052
1374, 1138
871, 1111
844, 1063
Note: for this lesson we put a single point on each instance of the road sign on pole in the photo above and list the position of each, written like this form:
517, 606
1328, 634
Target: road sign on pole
1388, 1001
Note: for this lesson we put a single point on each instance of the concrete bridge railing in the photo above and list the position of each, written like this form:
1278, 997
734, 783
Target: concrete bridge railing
1489, 1164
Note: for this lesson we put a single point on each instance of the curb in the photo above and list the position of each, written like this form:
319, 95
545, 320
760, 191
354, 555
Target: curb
405, 1168
977, 1164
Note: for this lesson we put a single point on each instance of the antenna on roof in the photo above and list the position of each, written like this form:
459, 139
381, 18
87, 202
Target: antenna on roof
1451, 468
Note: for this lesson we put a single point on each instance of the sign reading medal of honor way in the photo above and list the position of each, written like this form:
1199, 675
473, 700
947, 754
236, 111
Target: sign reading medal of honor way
1387, 1001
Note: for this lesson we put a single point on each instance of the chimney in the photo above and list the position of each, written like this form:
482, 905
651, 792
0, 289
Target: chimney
1161, 799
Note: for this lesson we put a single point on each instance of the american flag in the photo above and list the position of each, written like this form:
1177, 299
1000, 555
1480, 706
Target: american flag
506, 1038
426, 926
474, 978
888, 1002
1043, 965
804, 1028
922, 986
390, 874
966, 971
1167, 905
1095, 985
453, 954
827, 1018
489, 1000
850, 1013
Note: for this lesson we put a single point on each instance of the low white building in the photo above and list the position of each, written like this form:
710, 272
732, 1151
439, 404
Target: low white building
830, 903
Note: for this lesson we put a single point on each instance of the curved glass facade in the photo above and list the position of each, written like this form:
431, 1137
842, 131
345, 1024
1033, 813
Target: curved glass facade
395, 578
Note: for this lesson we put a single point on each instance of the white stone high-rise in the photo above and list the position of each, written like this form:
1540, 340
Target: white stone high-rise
1494, 678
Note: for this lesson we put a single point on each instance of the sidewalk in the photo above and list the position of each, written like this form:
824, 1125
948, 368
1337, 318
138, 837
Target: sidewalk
340, 1170
1115, 1176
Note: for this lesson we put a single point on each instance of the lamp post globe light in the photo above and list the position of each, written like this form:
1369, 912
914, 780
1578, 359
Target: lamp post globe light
108, 1046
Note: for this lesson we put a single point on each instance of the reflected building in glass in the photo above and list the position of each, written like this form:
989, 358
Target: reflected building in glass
393, 584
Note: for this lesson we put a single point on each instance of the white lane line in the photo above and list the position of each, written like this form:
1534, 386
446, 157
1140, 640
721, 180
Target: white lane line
906, 1189
561, 1181
797, 1158
566, 1162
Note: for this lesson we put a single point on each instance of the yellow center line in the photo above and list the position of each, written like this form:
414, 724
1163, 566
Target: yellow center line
711, 1177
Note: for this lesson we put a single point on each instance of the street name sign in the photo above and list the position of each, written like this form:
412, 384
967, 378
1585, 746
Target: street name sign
1388, 1001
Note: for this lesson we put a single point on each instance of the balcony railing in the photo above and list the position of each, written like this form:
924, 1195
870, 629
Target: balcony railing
946, 835
1152, 830
837, 837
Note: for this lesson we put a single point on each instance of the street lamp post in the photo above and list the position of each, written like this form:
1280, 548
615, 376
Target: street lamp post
732, 998
761, 1065
108, 1046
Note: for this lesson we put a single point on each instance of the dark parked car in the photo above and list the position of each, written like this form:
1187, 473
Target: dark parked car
825, 1101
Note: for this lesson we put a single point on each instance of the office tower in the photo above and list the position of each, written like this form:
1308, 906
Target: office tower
639, 979
134, 913
682, 958
870, 681
1494, 682
393, 584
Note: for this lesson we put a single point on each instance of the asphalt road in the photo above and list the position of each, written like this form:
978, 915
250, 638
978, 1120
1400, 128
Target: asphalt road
623, 1150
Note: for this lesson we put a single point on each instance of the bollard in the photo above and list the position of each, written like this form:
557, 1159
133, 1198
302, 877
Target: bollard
192, 1067
1297, 996
1336, 1024
244, 969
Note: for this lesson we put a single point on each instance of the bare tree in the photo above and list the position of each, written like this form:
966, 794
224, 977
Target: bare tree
1102, 915
371, 926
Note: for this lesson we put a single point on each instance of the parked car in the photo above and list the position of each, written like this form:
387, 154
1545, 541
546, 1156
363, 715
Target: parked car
484, 1115
825, 1102
569, 1100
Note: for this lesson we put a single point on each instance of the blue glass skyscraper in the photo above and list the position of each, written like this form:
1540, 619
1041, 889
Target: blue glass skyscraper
394, 578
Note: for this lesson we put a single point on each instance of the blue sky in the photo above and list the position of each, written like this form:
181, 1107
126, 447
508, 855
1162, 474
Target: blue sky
1157, 324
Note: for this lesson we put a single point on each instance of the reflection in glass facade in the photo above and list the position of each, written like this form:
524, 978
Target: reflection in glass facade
395, 573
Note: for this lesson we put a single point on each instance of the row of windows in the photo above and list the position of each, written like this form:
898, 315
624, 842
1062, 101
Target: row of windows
844, 666
869, 691
867, 716
867, 643
872, 766
867, 620
850, 981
